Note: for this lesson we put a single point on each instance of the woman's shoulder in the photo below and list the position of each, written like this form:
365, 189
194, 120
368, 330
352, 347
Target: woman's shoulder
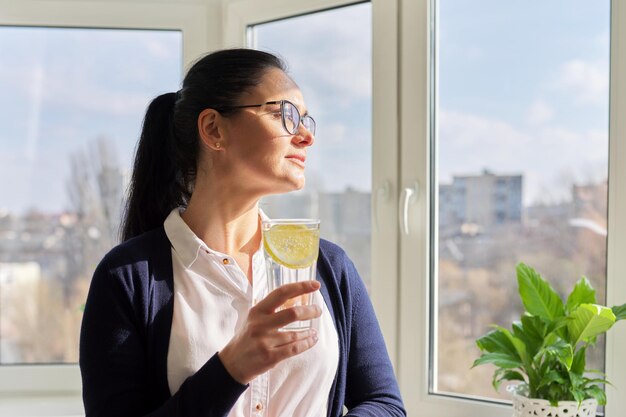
336, 258
139, 247
137, 252
331, 250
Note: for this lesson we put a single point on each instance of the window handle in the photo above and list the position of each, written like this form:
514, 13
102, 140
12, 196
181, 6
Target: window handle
383, 192
408, 195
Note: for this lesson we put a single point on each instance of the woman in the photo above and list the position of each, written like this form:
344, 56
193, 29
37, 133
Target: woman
177, 322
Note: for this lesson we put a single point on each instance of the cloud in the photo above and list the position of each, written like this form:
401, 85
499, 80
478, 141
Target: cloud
330, 51
588, 81
51, 108
467, 131
334, 133
539, 112
125, 89
342, 157
80, 92
469, 143
160, 50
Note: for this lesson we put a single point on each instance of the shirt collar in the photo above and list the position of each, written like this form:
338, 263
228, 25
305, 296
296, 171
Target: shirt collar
185, 242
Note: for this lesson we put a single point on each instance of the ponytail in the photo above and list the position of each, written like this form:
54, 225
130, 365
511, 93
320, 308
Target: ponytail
156, 186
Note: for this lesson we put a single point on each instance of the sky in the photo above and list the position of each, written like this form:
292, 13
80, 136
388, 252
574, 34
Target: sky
522, 88
50, 110
337, 87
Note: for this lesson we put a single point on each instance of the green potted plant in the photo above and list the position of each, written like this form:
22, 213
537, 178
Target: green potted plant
546, 350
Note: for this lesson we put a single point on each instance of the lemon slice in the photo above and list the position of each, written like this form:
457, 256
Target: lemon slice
292, 245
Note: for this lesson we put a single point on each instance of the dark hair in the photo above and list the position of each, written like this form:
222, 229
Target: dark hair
167, 154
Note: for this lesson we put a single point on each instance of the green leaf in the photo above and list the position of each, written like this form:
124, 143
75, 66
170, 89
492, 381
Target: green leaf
588, 321
518, 344
577, 380
531, 331
506, 375
497, 341
579, 395
502, 360
583, 293
554, 394
590, 381
562, 351
550, 378
597, 393
557, 325
550, 339
620, 312
579, 362
595, 371
537, 295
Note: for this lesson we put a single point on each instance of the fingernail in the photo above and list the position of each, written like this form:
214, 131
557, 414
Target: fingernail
315, 338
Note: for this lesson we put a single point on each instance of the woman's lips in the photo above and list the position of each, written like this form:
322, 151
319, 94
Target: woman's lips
297, 159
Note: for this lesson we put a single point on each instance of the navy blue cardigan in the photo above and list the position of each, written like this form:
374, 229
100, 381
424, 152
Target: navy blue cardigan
126, 328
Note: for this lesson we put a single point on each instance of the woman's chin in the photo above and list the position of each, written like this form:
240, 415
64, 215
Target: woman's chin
297, 181
300, 183
287, 187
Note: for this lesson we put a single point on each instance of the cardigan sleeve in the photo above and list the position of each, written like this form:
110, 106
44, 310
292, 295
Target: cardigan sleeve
113, 360
371, 386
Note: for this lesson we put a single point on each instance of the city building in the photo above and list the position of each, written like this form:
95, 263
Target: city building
485, 200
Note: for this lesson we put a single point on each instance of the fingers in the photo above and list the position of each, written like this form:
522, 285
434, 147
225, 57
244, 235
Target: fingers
289, 315
294, 347
281, 294
281, 339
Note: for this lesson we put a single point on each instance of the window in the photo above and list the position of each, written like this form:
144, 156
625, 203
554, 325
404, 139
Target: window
517, 165
338, 93
404, 190
71, 115
522, 120
28, 379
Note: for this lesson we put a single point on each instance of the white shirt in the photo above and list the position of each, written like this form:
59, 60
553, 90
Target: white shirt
212, 296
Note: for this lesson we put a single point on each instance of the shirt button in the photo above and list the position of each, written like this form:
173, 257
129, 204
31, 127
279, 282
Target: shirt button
259, 407
225, 261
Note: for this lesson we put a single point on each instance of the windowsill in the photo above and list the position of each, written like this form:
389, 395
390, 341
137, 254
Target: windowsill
41, 406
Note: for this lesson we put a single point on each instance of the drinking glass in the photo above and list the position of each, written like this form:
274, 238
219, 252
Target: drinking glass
291, 247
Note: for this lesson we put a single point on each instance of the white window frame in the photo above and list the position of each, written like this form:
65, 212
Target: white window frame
401, 129
401, 132
51, 389
415, 128
241, 14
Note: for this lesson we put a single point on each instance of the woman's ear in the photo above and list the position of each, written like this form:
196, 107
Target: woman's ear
210, 129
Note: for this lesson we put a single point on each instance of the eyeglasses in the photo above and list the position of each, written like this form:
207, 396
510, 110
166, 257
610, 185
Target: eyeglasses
289, 113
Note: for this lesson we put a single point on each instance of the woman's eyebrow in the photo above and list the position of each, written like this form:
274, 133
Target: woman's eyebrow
303, 113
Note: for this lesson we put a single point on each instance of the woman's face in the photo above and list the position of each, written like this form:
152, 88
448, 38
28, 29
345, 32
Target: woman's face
257, 152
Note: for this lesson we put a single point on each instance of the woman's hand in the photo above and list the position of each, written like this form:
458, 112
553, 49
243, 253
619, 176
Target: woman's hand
259, 345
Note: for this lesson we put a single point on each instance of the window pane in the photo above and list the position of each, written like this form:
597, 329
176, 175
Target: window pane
522, 166
337, 87
71, 108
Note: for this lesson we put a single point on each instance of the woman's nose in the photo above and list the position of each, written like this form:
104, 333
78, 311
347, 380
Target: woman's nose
304, 137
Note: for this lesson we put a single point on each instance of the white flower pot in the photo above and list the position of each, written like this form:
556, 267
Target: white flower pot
527, 407
534, 407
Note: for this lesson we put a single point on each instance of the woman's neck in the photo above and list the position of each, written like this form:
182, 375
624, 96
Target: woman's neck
226, 224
